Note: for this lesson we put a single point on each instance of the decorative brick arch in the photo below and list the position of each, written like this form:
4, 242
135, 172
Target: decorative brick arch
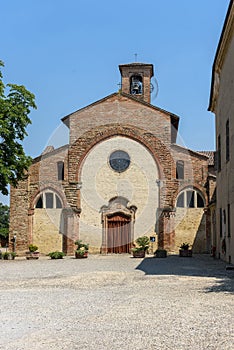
86, 142
52, 188
82, 146
193, 187
33, 199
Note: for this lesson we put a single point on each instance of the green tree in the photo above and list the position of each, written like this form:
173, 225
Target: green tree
4, 221
14, 110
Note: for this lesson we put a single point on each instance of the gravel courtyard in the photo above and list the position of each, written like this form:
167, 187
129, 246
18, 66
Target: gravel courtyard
117, 302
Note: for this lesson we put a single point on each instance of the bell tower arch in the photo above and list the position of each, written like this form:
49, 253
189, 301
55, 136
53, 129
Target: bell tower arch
135, 80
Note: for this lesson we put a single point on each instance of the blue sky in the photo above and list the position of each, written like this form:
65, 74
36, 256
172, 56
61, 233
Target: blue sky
67, 53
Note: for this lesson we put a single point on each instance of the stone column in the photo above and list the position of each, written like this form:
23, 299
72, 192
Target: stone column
104, 234
71, 230
30, 225
166, 236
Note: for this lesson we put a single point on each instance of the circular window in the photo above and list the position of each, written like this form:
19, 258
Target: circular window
119, 161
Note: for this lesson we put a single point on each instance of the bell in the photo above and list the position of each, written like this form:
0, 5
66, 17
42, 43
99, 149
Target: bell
135, 87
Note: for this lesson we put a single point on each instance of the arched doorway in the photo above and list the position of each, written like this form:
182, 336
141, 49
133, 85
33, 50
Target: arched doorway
117, 226
118, 233
45, 222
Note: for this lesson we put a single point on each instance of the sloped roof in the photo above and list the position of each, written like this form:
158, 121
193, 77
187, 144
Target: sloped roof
185, 149
49, 151
210, 155
174, 118
138, 64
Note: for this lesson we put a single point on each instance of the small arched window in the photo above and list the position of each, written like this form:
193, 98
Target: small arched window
48, 200
190, 198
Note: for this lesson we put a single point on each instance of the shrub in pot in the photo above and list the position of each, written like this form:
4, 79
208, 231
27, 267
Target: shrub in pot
143, 245
32, 252
185, 251
9, 255
82, 249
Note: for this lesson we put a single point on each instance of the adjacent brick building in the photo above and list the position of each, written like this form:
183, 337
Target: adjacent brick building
121, 176
222, 104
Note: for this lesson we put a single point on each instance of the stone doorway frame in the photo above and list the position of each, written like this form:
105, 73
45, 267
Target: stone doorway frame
116, 205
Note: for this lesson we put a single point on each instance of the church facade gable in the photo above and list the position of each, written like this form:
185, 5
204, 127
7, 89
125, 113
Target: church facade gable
121, 109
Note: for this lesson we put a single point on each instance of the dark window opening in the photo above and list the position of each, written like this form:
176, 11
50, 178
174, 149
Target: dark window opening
60, 168
49, 200
229, 220
58, 202
180, 169
227, 141
190, 199
219, 153
180, 200
220, 223
39, 203
200, 202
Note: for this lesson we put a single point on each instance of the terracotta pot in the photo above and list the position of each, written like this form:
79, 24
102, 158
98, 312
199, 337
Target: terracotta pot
139, 254
32, 255
81, 256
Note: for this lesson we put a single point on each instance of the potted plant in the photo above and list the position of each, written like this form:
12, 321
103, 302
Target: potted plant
82, 249
160, 253
185, 251
143, 245
9, 255
32, 252
56, 255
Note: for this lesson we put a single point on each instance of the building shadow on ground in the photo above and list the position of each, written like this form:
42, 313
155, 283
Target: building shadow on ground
199, 265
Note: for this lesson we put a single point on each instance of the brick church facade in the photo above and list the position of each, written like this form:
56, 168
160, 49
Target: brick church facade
121, 176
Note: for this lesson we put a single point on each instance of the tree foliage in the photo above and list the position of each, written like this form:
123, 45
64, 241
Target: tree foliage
15, 107
4, 220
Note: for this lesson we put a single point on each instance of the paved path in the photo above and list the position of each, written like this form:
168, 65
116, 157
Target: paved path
116, 302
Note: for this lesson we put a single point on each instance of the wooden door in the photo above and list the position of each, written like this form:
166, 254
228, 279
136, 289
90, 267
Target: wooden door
119, 234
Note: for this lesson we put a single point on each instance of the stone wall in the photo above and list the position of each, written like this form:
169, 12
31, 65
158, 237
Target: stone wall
225, 111
190, 227
46, 230
19, 224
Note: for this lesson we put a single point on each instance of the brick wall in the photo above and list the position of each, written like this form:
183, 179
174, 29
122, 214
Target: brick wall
121, 110
42, 175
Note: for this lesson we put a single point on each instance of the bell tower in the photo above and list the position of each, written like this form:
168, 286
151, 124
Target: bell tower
135, 80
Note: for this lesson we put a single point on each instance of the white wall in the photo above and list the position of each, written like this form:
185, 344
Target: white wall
100, 183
